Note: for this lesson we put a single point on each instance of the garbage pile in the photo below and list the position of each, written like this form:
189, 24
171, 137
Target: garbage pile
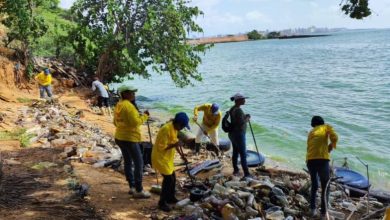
53, 126
272, 197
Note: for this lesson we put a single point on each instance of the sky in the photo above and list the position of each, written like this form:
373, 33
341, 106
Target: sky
241, 16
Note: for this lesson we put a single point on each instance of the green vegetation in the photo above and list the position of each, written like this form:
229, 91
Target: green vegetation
23, 100
153, 37
18, 134
273, 34
254, 35
357, 9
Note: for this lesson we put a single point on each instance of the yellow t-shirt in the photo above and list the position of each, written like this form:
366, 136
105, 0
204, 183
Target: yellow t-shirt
43, 79
162, 158
128, 121
209, 119
317, 142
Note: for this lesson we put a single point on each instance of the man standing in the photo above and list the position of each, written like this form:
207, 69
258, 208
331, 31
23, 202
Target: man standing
211, 119
163, 153
44, 81
317, 160
128, 121
239, 122
102, 95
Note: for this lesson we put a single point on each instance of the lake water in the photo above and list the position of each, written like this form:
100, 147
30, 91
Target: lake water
345, 78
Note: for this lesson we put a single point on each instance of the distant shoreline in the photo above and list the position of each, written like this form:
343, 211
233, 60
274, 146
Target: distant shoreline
244, 37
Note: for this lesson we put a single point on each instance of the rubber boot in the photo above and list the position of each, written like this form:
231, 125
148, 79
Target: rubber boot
197, 148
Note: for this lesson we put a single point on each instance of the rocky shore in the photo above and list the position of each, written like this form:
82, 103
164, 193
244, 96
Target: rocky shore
77, 164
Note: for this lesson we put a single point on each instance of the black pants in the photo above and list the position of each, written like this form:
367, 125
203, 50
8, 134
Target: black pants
319, 168
168, 189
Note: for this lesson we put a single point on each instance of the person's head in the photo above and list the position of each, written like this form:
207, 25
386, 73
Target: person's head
317, 120
181, 121
238, 98
127, 92
215, 109
95, 78
46, 71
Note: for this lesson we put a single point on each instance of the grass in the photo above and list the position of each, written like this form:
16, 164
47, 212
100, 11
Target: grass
17, 134
24, 100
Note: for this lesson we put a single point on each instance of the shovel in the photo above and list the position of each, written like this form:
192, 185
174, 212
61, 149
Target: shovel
155, 188
205, 133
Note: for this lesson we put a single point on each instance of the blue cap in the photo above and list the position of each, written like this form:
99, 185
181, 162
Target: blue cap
47, 71
215, 108
182, 119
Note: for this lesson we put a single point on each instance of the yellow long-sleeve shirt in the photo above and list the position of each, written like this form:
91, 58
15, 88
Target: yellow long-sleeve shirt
43, 79
317, 142
209, 119
162, 158
128, 121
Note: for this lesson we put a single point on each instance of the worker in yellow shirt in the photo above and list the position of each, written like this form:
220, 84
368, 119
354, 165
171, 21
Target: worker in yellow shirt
44, 81
211, 119
128, 121
317, 160
163, 153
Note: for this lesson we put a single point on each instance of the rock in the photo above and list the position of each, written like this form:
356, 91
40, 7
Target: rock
302, 202
237, 201
278, 215
183, 203
231, 184
250, 212
336, 215
228, 212
242, 194
336, 194
376, 204
11, 161
289, 211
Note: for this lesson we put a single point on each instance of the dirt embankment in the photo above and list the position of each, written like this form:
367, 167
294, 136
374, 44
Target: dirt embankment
224, 39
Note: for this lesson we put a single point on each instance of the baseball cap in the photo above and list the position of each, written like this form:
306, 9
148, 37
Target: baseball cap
47, 71
182, 119
215, 108
238, 96
124, 88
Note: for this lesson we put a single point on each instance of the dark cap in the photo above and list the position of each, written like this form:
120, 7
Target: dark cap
182, 118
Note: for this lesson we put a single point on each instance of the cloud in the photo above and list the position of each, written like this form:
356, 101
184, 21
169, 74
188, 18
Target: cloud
256, 16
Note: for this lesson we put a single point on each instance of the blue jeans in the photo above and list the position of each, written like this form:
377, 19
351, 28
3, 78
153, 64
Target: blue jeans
319, 168
43, 89
239, 147
131, 153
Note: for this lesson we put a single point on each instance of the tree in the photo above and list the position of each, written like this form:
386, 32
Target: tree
122, 38
357, 9
254, 35
24, 25
273, 34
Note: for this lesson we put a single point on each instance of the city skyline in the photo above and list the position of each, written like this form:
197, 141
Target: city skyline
240, 16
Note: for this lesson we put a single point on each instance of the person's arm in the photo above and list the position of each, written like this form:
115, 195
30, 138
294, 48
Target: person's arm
133, 117
197, 109
332, 137
93, 86
37, 76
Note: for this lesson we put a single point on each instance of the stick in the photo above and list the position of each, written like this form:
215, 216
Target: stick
204, 132
254, 139
150, 140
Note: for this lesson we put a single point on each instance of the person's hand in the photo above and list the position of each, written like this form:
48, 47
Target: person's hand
330, 147
146, 112
195, 118
205, 133
248, 116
